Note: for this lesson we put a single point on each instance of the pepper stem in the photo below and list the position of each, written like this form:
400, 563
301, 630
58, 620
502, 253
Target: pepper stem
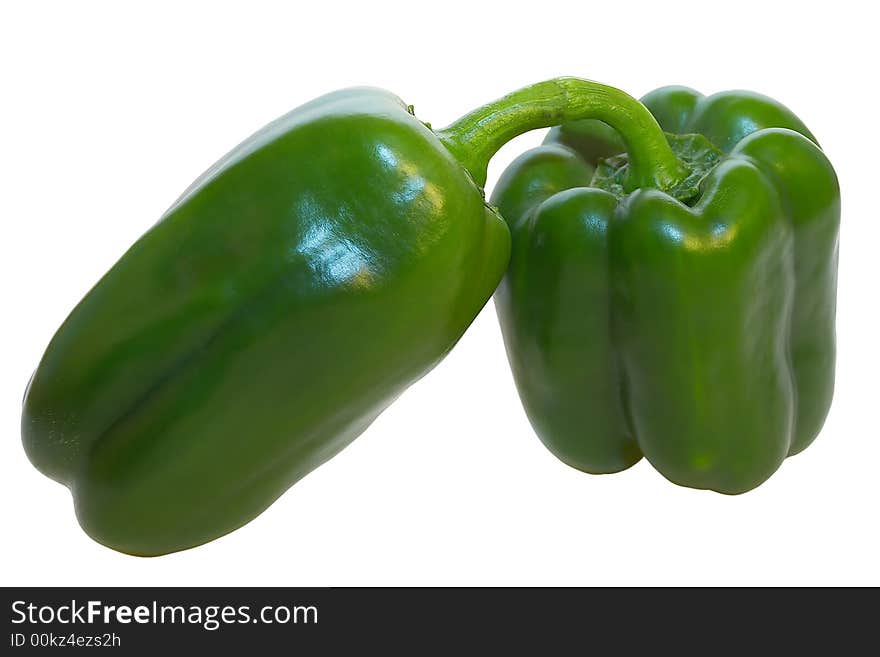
477, 136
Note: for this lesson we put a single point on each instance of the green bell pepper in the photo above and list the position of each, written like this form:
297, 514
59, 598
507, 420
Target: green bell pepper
292, 293
676, 301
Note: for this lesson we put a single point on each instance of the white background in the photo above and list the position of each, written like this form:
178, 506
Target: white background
108, 112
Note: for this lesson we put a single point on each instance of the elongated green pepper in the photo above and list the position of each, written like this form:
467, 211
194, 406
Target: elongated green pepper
675, 301
292, 293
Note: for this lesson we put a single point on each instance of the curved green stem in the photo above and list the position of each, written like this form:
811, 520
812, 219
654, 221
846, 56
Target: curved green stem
477, 136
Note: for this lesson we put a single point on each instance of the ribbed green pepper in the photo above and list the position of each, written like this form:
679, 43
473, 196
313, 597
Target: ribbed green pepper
292, 293
676, 301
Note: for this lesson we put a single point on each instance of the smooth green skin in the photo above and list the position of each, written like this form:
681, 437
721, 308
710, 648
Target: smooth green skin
291, 294
700, 337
